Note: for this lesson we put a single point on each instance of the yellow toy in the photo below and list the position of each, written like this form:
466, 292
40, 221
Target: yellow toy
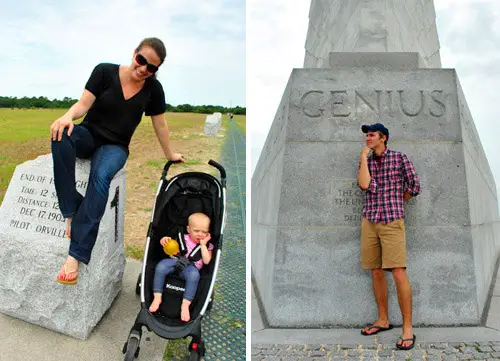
171, 247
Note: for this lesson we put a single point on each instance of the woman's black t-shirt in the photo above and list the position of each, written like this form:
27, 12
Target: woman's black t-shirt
112, 119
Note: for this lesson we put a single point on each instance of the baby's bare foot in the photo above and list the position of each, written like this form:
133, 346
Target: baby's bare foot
156, 304
185, 316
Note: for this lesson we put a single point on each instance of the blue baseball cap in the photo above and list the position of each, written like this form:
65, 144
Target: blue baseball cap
377, 127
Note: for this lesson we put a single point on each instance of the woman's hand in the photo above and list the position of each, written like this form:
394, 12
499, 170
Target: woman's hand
175, 157
205, 240
57, 128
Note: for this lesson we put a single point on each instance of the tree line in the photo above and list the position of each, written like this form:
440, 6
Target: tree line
44, 102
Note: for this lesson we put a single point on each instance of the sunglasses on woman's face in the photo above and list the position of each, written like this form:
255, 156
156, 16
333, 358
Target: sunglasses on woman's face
141, 60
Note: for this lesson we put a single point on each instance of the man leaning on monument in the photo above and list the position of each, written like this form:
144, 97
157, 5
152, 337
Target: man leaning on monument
389, 179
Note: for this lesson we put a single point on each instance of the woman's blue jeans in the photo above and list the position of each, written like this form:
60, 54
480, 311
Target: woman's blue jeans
86, 211
190, 274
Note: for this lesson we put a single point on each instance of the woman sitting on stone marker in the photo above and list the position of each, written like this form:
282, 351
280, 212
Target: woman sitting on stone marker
114, 99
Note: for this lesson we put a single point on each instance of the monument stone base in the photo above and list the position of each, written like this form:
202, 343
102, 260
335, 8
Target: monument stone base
33, 246
306, 205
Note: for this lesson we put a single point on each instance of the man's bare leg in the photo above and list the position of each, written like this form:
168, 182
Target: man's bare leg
404, 298
380, 292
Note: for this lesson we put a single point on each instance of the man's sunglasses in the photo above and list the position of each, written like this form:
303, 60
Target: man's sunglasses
141, 60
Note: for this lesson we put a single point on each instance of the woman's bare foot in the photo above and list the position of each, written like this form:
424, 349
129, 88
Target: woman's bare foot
185, 316
68, 227
69, 271
156, 303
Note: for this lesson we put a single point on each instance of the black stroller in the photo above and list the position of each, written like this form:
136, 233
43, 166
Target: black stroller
176, 200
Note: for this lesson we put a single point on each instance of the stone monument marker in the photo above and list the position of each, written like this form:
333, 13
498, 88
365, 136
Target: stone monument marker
306, 206
212, 125
219, 119
33, 246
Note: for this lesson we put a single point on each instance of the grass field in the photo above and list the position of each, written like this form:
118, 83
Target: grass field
25, 135
241, 122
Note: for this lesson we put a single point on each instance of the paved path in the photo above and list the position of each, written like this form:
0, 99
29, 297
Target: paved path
224, 328
433, 344
447, 351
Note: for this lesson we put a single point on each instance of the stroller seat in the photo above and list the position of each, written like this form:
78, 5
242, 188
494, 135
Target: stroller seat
173, 220
173, 292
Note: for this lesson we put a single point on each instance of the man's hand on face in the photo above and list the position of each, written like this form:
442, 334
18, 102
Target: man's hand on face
365, 151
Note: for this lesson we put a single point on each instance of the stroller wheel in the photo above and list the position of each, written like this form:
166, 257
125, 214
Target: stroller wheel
196, 349
138, 285
194, 356
132, 348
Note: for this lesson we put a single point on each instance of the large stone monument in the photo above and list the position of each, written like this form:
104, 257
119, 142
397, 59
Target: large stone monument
372, 26
306, 206
33, 246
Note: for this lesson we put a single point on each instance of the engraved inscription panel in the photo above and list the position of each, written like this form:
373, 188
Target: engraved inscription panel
341, 103
36, 209
346, 201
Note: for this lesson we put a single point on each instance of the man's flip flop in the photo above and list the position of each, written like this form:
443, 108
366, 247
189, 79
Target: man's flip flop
66, 273
378, 328
403, 340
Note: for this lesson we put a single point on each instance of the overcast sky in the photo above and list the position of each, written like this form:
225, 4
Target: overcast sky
469, 33
50, 47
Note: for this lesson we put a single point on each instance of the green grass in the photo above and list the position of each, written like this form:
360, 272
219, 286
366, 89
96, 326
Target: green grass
26, 134
20, 128
161, 163
185, 137
134, 252
156, 163
237, 324
178, 349
241, 123
188, 163
19, 125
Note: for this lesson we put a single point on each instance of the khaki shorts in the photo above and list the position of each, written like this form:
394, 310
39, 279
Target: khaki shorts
383, 245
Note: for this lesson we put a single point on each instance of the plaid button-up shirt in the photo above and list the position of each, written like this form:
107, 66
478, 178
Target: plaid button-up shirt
389, 180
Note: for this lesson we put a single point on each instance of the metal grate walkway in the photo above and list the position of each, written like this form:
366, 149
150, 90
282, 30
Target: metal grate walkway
224, 327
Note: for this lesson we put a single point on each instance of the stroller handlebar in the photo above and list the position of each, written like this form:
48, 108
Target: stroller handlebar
211, 162
167, 166
221, 169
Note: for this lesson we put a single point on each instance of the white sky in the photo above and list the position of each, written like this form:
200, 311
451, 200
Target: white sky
50, 47
469, 34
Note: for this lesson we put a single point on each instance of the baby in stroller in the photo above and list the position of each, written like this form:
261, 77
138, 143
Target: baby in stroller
198, 234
